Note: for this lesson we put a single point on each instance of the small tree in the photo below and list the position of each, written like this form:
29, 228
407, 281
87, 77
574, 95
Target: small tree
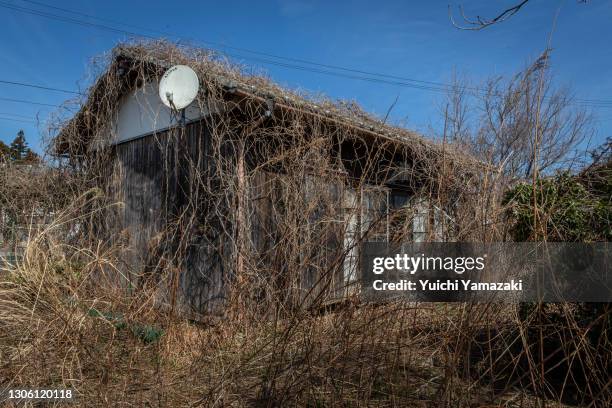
19, 147
523, 125
20, 152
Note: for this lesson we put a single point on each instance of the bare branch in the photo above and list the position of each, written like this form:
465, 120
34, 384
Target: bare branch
479, 22
390, 109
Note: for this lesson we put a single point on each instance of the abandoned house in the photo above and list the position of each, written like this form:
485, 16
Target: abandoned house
256, 185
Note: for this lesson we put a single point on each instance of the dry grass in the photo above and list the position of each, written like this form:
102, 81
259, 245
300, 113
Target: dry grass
396, 354
74, 313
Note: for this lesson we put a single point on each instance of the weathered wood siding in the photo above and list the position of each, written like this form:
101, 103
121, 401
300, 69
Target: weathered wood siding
162, 175
301, 253
157, 175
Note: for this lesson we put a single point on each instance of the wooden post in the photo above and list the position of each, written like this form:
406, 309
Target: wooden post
241, 201
241, 212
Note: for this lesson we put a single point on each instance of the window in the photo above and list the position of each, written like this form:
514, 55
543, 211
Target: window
416, 219
381, 214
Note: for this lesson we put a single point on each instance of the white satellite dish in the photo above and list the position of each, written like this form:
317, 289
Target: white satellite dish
178, 87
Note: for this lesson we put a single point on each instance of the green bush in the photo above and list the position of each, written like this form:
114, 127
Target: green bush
567, 211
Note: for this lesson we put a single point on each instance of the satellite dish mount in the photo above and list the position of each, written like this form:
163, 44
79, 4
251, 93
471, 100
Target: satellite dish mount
178, 88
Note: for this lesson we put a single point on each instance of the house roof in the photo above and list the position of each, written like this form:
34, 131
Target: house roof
152, 58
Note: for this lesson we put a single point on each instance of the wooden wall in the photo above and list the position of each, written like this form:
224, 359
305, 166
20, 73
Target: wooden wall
157, 178
163, 175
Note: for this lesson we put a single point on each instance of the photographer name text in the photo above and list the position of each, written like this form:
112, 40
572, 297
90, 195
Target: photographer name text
446, 285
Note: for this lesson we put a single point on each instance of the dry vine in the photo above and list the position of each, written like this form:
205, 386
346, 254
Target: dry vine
268, 196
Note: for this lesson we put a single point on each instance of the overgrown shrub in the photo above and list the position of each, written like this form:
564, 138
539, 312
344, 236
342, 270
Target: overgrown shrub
573, 342
567, 211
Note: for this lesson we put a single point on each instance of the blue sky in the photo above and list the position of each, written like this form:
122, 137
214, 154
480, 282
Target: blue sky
407, 39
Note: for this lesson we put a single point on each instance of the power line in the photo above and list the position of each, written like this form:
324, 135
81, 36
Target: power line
18, 120
66, 19
399, 81
371, 76
29, 102
241, 49
265, 61
437, 86
46, 88
39, 3
440, 86
15, 115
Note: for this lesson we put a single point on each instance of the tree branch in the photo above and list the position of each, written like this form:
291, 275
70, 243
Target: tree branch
479, 22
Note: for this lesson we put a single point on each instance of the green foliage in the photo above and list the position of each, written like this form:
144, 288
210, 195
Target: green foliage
19, 147
566, 210
18, 151
571, 209
147, 334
